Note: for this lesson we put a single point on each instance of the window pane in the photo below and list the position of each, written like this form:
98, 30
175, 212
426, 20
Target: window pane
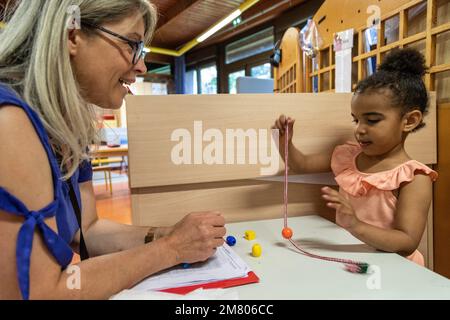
232, 77
261, 72
208, 77
191, 82
163, 70
259, 42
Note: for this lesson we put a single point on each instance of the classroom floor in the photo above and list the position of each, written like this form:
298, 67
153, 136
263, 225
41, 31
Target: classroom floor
115, 207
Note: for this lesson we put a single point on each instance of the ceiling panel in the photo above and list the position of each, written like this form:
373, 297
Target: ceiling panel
193, 18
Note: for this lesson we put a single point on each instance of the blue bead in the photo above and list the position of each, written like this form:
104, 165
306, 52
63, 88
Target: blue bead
231, 241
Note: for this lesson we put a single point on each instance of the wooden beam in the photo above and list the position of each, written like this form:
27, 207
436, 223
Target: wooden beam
380, 41
319, 77
159, 58
175, 11
440, 29
441, 226
360, 51
330, 63
323, 70
440, 68
403, 26
430, 46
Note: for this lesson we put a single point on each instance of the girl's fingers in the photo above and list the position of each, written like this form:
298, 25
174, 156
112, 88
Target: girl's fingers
328, 190
334, 205
339, 208
279, 127
329, 193
347, 204
331, 198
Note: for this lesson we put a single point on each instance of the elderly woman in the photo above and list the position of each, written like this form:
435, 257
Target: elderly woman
57, 60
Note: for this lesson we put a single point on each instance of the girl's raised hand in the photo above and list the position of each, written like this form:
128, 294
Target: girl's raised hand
280, 124
345, 215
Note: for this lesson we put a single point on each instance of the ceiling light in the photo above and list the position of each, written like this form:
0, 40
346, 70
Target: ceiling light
219, 26
191, 44
237, 21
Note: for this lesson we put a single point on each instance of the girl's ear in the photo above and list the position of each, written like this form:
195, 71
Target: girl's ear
412, 120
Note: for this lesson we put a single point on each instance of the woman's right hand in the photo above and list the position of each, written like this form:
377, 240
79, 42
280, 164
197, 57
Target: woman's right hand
196, 237
280, 124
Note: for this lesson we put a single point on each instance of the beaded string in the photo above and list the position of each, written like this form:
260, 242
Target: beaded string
350, 265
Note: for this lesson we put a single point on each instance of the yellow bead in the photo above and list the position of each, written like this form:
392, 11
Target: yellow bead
250, 235
256, 250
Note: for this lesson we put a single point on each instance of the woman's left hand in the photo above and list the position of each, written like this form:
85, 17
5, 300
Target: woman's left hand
345, 215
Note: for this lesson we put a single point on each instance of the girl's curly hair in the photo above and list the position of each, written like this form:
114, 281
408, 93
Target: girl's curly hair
402, 73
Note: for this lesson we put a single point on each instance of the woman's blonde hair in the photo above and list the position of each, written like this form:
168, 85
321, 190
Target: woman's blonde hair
35, 63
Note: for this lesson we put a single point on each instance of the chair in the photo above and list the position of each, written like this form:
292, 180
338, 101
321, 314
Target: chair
97, 166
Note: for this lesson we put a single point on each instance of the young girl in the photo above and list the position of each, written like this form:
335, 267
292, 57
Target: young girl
384, 195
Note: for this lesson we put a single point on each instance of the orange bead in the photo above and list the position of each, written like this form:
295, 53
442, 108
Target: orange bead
287, 233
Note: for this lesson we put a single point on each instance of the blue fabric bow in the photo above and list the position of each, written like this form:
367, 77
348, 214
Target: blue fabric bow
56, 245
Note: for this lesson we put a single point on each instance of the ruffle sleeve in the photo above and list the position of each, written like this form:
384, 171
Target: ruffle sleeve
357, 183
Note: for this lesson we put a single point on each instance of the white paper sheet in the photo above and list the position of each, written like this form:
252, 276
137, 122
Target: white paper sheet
343, 44
224, 264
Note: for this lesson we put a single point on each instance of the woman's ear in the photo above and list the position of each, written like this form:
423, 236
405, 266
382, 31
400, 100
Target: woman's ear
412, 120
73, 42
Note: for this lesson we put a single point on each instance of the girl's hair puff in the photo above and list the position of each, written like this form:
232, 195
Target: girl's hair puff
402, 73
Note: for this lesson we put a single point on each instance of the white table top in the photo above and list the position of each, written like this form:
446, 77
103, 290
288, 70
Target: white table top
286, 274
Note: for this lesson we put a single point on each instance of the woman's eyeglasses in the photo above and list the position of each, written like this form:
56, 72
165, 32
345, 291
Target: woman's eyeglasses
136, 46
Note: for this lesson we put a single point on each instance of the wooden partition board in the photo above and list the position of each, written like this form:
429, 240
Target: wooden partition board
322, 121
242, 200
163, 192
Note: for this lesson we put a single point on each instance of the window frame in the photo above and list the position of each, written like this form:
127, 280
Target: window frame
198, 67
247, 65
216, 55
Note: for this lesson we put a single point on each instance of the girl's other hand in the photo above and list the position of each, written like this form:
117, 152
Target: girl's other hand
345, 215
